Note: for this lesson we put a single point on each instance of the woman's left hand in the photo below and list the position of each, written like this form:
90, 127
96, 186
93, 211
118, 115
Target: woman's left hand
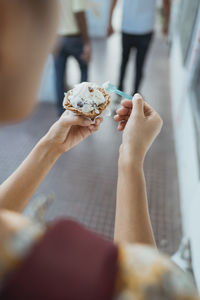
70, 130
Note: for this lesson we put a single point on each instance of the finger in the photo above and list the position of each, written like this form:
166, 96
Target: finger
138, 106
69, 119
127, 103
121, 126
124, 111
119, 118
148, 110
98, 121
93, 128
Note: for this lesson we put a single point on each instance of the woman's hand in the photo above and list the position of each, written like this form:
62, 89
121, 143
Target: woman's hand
70, 130
141, 125
67, 132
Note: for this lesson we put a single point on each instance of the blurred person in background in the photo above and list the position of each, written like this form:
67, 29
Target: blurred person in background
138, 23
73, 41
64, 260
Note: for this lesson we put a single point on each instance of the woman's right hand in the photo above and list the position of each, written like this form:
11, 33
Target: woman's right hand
141, 125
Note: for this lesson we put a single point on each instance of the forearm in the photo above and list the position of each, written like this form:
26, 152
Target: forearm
17, 190
167, 9
132, 222
113, 5
82, 24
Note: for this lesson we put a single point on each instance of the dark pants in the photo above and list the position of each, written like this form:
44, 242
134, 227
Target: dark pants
141, 43
70, 46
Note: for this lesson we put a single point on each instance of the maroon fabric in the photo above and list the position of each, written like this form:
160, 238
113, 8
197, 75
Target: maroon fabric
69, 263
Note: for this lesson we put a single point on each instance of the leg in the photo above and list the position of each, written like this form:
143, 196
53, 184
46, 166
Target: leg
143, 45
76, 51
60, 59
126, 48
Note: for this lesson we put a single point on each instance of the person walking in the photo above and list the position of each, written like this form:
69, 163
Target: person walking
73, 41
138, 22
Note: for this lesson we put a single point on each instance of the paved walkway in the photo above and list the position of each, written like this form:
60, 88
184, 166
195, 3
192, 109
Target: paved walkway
84, 179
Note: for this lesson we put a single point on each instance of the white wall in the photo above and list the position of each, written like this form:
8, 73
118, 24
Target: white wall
187, 159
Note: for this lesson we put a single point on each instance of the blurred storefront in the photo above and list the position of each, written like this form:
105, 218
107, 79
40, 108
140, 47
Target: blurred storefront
185, 90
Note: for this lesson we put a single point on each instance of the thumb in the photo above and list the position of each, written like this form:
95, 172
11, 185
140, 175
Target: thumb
138, 106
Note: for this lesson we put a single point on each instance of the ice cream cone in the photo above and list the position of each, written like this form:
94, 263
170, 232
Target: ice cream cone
94, 112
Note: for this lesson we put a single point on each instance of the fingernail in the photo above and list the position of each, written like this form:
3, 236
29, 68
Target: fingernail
98, 122
137, 96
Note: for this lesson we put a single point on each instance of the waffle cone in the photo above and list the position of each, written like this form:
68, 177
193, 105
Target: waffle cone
92, 114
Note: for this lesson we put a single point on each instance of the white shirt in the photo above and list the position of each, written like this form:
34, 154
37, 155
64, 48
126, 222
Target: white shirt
68, 24
138, 16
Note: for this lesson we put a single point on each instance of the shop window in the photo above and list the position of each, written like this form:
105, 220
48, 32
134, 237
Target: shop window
195, 93
187, 19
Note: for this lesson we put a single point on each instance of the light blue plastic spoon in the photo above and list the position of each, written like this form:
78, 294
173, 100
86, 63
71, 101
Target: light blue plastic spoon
112, 89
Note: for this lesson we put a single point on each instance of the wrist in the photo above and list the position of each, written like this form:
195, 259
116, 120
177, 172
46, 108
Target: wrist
129, 165
50, 148
130, 160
